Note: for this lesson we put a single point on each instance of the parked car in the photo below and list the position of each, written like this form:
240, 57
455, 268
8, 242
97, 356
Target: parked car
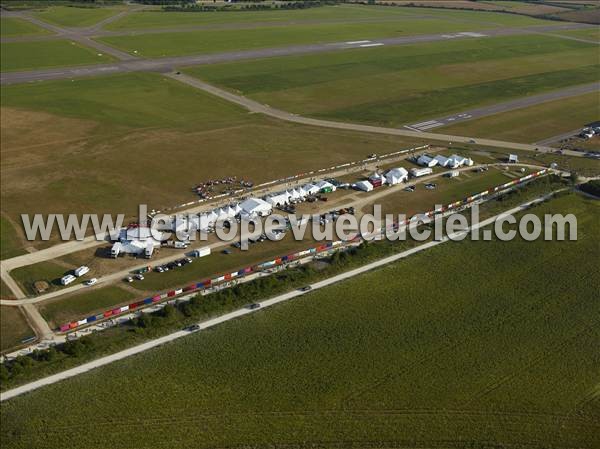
128, 279
253, 306
139, 277
409, 189
91, 281
193, 328
306, 288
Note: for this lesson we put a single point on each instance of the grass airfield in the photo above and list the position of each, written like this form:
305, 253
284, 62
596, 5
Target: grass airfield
392, 86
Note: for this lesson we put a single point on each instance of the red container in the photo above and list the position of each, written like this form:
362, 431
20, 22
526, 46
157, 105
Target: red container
107, 313
73, 325
64, 327
116, 311
171, 293
156, 298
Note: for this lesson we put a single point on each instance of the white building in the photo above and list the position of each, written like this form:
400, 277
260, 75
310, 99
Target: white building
365, 186
513, 158
396, 176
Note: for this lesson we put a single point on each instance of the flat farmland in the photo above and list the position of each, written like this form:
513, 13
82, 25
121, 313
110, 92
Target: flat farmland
397, 85
379, 358
105, 145
11, 27
339, 13
534, 123
17, 56
72, 16
14, 327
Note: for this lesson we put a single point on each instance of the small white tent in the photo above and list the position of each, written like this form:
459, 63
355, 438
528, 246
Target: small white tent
365, 186
311, 189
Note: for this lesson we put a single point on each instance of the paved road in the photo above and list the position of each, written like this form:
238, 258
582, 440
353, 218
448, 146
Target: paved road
244, 311
519, 103
170, 63
76, 35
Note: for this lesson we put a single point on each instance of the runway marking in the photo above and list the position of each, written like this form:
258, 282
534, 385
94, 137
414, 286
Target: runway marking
433, 125
416, 125
357, 42
377, 44
471, 34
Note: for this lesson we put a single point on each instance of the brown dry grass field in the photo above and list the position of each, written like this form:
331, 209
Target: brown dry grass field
153, 140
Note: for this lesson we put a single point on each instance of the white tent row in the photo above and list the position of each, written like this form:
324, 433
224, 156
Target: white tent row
453, 161
285, 197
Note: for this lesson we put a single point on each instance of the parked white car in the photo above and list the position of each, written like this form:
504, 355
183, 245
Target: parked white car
91, 282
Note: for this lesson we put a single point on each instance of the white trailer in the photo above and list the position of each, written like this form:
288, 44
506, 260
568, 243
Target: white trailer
116, 249
66, 280
418, 172
81, 271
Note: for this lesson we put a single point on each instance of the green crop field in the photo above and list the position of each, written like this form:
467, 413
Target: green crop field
145, 139
534, 123
70, 16
16, 56
83, 304
13, 326
340, 13
504, 357
396, 85
10, 27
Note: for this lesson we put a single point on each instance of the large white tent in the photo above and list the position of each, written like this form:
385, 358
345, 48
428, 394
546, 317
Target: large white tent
311, 189
278, 199
396, 176
325, 186
255, 206
365, 186
427, 161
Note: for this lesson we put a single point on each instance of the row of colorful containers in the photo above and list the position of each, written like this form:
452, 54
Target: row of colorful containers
264, 265
197, 286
